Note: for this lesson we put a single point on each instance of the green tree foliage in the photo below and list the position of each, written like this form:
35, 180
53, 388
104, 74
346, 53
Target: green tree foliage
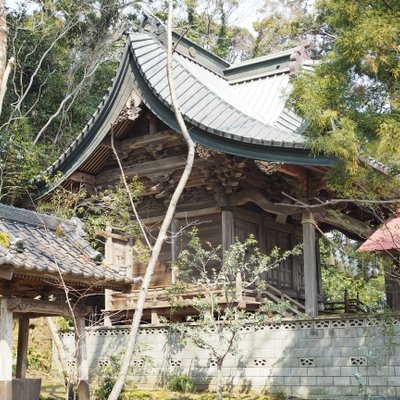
346, 270
107, 207
286, 24
65, 56
209, 23
352, 100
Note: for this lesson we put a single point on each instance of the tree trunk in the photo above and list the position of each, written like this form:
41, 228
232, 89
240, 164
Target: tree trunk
3, 39
219, 380
5, 66
164, 226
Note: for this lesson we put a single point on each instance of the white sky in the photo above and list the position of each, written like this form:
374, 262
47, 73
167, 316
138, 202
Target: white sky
246, 13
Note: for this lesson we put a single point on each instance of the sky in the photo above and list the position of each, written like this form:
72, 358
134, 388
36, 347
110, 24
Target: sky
244, 15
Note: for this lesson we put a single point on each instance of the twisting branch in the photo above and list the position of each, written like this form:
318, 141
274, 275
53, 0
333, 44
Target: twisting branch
301, 204
128, 191
165, 224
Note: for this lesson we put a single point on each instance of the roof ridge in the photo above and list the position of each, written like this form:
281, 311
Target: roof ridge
30, 217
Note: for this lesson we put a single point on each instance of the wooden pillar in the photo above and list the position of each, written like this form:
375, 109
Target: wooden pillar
129, 257
82, 361
22, 349
174, 245
228, 229
310, 265
228, 237
6, 319
108, 258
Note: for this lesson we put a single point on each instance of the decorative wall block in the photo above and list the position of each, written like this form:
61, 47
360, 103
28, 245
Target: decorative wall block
175, 363
356, 322
103, 363
260, 362
305, 325
289, 325
339, 323
321, 324
137, 363
307, 362
213, 363
358, 361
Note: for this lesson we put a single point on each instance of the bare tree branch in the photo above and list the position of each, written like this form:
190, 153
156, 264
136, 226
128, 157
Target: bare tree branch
165, 224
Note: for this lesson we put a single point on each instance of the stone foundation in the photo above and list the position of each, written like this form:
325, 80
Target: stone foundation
316, 359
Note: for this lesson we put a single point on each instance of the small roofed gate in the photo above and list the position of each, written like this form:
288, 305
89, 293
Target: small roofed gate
47, 269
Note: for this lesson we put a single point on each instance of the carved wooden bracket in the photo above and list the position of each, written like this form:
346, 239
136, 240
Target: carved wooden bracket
132, 108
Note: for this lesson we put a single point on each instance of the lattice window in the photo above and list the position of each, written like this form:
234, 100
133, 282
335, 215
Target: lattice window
213, 363
176, 363
358, 361
307, 362
260, 362
71, 363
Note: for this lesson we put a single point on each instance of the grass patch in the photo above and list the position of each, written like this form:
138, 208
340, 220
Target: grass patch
56, 391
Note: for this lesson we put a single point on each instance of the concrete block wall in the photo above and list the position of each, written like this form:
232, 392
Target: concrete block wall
317, 359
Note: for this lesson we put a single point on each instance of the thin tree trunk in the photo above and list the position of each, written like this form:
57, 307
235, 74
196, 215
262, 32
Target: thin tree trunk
5, 66
219, 380
165, 224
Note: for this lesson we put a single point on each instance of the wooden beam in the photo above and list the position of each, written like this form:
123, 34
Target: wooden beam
310, 265
294, 171
6, 321
22, 349
143, 141
109, 234
20, 305
83, 177
184, 214
106, 142
346, 223
82, 361
143, 169
256, 197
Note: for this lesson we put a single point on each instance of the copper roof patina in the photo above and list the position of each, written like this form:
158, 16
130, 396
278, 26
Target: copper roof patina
237, 109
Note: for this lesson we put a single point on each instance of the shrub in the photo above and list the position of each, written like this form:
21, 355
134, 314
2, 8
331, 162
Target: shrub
182, 384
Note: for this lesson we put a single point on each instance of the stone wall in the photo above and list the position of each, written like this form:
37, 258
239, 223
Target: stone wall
319, 359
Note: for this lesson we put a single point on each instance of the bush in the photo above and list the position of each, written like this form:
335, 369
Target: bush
182, 384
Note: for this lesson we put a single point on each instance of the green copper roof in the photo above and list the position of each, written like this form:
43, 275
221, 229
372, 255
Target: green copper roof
238, 110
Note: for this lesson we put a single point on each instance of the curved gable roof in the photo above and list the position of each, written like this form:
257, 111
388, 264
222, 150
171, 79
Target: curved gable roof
227, 108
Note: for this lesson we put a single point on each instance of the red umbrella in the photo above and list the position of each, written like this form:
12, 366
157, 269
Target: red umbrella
386, 237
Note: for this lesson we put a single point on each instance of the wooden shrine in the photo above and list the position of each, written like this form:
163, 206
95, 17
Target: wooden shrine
251, 160
46, 269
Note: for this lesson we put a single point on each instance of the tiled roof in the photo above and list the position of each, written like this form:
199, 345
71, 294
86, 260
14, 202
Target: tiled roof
45, 244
